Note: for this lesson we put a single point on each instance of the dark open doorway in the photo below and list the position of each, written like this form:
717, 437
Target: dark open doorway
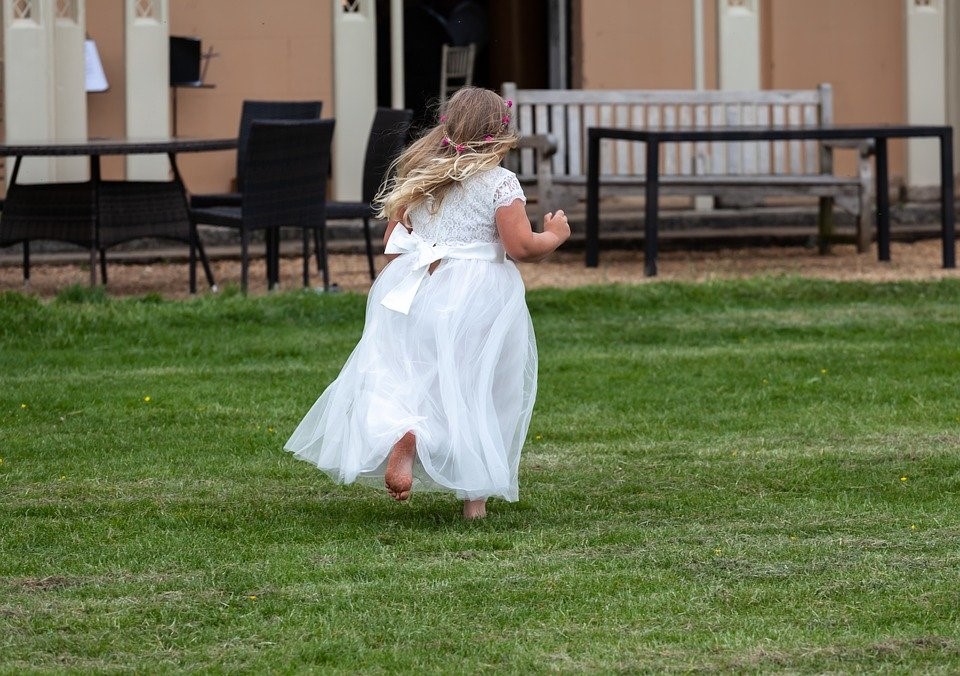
512, 38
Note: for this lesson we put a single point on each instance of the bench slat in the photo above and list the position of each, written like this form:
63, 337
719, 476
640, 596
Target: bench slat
558, 127
576, 141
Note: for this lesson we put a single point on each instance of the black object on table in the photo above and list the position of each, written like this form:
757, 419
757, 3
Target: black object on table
653, 138
96, 214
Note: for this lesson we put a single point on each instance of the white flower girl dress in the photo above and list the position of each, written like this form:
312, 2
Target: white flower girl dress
449, 355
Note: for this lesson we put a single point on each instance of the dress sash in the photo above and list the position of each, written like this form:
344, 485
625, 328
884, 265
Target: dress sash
400, 298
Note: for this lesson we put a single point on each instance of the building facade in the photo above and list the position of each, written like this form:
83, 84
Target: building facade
888, 61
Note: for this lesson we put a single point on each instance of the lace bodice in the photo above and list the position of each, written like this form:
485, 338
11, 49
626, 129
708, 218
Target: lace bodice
468, 212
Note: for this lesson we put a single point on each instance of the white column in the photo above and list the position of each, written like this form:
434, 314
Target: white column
44, 97
700, 202
397, 82
354, 91
926, 86
953, 73
738, 44
148, 83
70, 94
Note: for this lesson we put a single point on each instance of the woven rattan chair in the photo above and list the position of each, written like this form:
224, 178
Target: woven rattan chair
250, 111
147, 209
128, 210
61, 212
286, 167
387, 137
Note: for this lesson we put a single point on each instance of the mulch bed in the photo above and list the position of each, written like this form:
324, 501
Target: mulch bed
917, 260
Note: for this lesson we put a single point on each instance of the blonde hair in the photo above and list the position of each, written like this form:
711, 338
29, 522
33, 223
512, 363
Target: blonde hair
473, 134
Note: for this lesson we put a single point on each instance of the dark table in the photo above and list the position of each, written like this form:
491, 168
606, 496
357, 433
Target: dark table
653, 138
173, 190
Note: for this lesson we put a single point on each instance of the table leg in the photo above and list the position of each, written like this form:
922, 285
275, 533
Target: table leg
946, 199
193, 239
26, 242
593, 200
883, 201
272, 237
650, 230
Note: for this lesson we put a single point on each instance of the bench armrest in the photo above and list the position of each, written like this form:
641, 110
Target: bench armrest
544, 147
866, 147
544, 144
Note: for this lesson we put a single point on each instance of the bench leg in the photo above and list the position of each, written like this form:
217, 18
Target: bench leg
866, 215
825, 225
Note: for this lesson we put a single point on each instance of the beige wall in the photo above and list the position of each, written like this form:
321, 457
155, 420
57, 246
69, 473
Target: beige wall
282, 49
856, 45
641, 44
267, 50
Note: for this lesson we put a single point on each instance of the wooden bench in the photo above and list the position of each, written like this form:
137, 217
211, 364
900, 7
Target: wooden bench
552, 124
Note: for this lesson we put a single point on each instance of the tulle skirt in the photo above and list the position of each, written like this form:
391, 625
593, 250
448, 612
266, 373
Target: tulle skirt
459, 371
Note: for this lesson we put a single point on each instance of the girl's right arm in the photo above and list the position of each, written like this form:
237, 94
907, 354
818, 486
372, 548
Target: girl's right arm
518, 238
386, 236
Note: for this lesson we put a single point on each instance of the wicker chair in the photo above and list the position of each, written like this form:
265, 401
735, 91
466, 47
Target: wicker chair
62, 212
250, 111
286, 167
387, 137
128, 210
147, 209
256, 110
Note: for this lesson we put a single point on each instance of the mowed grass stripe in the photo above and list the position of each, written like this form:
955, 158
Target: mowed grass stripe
758, 475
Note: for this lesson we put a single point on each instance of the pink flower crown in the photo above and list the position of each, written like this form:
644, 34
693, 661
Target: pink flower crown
460, 147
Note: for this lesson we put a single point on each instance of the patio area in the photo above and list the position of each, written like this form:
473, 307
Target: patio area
164, 272
695, 246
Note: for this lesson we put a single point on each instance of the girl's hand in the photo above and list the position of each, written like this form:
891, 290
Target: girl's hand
556, 223
518, 238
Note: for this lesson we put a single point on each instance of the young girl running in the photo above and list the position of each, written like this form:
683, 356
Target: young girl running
438, 393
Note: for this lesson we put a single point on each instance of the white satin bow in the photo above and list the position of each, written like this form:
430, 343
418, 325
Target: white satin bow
400, 298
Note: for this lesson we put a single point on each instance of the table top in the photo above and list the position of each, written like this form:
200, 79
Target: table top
115, 146
786, 133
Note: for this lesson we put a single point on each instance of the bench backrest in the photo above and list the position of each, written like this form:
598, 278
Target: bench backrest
565, 114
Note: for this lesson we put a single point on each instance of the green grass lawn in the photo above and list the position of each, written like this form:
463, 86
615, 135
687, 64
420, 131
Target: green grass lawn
749, 475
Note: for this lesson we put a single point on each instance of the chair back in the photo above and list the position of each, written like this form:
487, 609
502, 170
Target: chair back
387, 138
287, 167
456, 69
269, 110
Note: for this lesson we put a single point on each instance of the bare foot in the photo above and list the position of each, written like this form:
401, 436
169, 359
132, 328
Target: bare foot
399, 475
474, 509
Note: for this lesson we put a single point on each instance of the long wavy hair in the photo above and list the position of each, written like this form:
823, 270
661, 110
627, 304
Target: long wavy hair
473, 134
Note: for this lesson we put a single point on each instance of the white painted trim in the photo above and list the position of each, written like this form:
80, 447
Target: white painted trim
70, 92
354, 93
699, 48
28, 86
558, 22
700, 202
953, 73
926, 85
147, 56
397, 82
738, 44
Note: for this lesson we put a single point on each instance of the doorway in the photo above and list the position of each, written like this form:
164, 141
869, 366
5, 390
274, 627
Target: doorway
512, 38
